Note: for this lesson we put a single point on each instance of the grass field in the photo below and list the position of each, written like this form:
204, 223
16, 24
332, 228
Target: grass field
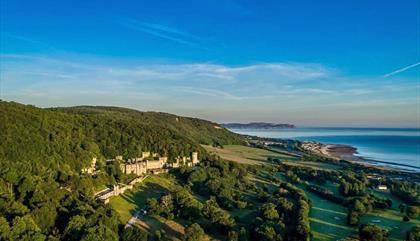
153, 187
127, 203
173, 229
390, 219
328, 220
246, 155
314, 165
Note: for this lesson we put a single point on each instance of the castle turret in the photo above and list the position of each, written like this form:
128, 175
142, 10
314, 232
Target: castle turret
194, 158
116, 190
145, 154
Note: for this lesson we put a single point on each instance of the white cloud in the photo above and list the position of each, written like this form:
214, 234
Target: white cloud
263, 89
208, 92
401, 70
161, 31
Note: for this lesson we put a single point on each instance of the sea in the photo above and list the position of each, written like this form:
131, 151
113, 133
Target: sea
392, 147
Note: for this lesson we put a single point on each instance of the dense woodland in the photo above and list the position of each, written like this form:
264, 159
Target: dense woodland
42, 194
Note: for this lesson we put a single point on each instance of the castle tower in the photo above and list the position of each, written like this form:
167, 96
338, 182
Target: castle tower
116, 189
194, 158
93, 165
145, 154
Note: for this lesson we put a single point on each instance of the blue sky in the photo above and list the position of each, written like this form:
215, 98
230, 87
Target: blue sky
323, 63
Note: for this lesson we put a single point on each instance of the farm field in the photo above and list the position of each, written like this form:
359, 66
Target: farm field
246, 155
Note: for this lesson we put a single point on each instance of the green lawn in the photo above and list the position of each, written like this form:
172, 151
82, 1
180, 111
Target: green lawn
246, 155
390, 220
328, 220
127, 203
326, 226
153, 187
314, 165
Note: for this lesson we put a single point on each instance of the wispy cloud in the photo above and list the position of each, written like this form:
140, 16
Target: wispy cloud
208, 92
401, 70
263, 89
161, 31
26, 40
167, 29
211, 80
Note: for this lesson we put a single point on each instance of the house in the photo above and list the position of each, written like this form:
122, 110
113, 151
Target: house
382, 187
373, 177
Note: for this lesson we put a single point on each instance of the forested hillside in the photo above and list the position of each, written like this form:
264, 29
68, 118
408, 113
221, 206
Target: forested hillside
42, 193
70, 136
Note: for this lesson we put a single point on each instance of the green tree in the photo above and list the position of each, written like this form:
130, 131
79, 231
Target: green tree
370, 232
4, 229
412, 211
194, 233
25, 228
75, 228
133, 234
269, 212
413, 234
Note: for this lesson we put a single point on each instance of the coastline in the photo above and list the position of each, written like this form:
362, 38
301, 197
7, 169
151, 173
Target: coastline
349, 153
388, 138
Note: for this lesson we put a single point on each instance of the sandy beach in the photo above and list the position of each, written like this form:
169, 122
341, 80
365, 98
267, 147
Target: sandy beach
335, 151
348, 153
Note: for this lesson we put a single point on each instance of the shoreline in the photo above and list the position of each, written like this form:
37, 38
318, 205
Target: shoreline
348, 153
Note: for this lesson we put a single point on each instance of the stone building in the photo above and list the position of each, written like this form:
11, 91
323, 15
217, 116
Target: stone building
156, 163
92, 168
145, 155
134, 166
151, 163
194, 158
146, 163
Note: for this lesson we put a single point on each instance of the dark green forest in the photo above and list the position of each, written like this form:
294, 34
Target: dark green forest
43, 196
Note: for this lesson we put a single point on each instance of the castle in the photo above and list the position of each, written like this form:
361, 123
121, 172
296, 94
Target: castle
141, 166
117, 189
152, 163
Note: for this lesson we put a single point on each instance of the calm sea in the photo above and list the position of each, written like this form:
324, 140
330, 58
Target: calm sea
400, 146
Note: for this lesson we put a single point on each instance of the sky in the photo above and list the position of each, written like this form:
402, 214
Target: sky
309, 63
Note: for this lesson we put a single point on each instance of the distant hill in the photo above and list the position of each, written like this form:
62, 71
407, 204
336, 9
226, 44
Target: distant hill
257, 125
